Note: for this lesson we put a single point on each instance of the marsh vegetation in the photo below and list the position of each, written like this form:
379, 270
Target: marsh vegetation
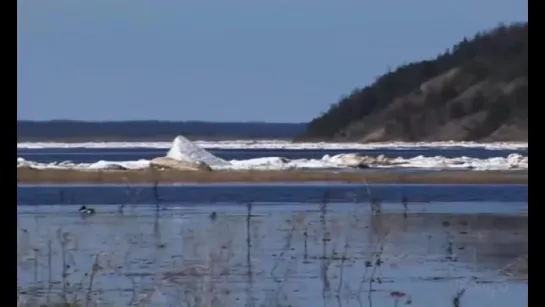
254, 254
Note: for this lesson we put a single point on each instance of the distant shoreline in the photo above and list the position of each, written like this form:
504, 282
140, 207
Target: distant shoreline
61, 131
144, 140
223, 139
151, 176
150, 130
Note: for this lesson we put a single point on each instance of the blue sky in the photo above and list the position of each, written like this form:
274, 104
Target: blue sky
241, 60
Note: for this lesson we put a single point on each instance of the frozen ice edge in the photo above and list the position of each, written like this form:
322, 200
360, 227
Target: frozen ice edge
274, 144
182, 149
511, 162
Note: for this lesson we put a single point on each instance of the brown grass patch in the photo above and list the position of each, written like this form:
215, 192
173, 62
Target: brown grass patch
57, 176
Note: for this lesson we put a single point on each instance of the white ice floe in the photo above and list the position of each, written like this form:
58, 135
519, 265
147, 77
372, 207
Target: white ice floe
139, 164
184, 150
511, 162
99, 165
274, 144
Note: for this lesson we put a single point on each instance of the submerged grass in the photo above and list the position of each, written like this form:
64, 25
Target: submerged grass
205, 281
59, 176
204, 274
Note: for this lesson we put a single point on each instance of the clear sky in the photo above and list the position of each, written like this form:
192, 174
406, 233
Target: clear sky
237, 60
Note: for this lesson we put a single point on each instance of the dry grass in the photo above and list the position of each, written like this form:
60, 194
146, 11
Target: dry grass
35, 176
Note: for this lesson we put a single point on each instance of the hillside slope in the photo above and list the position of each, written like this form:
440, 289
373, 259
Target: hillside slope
478, 90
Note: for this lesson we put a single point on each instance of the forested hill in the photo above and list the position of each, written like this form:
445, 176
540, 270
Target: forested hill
477, 90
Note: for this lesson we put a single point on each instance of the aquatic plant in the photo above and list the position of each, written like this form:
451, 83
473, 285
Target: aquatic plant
218, 253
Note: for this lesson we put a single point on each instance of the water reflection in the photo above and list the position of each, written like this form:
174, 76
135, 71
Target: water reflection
259, 255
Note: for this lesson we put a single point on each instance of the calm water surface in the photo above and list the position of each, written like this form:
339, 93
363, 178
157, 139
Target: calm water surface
290, 248
198, 194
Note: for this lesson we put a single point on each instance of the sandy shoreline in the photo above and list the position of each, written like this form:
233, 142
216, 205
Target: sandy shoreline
57, 176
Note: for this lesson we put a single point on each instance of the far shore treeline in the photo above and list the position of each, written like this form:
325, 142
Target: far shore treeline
477, 90
78, 131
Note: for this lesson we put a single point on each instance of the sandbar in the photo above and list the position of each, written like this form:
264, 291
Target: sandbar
151, 176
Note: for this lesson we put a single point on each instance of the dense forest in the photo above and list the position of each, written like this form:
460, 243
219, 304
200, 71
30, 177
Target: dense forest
477, 90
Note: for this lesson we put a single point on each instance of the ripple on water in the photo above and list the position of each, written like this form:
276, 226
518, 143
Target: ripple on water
294, 254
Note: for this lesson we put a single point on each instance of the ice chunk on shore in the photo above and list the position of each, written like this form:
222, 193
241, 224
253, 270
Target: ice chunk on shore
511, 162
184, 150
356, 161
120, 165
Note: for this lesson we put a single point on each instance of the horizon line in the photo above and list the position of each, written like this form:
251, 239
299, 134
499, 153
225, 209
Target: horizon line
154, 120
